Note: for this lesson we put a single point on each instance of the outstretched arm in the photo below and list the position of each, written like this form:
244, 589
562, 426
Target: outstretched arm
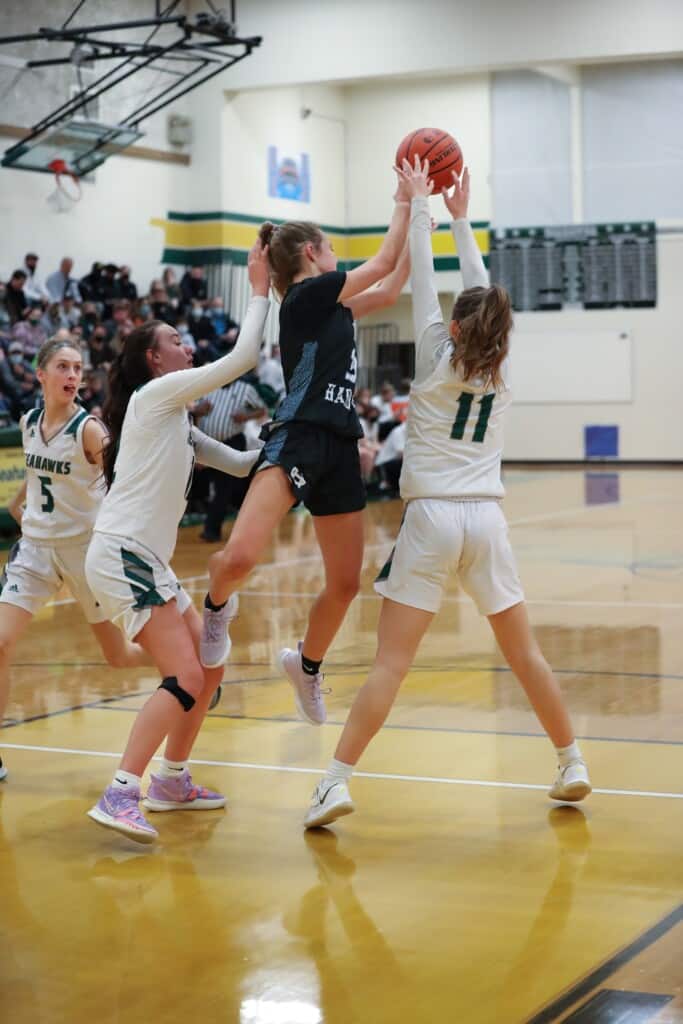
175, 390
386, 292
387, 259
474, 273
428, 323
221, 456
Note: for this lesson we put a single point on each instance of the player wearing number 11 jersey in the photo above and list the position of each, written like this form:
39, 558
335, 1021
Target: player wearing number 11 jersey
453, 524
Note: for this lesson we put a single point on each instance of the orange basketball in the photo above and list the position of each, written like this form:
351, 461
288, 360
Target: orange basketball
440, 148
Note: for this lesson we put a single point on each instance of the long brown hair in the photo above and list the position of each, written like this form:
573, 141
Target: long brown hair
129, 371
484, 316
286, 244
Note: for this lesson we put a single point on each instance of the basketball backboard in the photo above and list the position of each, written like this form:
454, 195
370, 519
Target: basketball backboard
81, 144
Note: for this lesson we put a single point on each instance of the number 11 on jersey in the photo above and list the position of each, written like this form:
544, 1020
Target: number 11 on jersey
464, 406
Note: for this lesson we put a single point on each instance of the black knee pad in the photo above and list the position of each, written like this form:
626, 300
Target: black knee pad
170, 683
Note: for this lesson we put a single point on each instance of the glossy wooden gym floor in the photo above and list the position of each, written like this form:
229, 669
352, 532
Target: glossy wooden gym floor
457, 892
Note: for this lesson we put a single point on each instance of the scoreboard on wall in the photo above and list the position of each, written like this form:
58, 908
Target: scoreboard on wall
589, 266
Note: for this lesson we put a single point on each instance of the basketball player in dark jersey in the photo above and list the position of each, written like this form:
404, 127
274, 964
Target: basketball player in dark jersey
311, 454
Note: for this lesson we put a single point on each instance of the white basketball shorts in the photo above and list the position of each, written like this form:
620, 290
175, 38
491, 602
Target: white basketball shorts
129, 580
35, 572
439, 538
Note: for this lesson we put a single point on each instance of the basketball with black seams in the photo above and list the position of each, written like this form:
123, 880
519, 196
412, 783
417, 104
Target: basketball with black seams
439, 147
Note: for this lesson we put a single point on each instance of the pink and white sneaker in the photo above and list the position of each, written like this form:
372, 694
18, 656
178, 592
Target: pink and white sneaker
180, 794
118, 809
307, 689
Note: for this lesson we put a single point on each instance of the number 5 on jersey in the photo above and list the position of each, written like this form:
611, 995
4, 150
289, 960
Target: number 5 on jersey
45, 485
464, 406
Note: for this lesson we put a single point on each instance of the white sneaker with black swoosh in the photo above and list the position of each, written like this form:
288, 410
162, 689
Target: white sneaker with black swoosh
330, 800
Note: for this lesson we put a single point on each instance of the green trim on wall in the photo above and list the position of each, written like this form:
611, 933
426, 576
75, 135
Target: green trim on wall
245, 218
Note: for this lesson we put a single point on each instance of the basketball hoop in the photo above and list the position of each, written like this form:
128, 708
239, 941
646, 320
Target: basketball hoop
68, 187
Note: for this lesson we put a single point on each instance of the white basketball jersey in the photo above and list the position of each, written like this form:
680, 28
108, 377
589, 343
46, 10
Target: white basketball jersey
64, 490
454, 440
155, 460
152, 475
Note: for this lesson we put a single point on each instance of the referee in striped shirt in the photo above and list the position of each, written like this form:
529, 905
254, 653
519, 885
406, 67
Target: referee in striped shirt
231, 406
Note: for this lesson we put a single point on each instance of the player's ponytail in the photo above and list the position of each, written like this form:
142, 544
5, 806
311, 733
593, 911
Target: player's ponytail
129, 371
285, 246
484, 316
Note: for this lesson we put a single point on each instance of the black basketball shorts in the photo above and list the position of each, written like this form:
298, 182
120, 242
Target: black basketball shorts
323, 467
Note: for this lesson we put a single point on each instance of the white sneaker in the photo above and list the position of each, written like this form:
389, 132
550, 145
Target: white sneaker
329, 802
215, 643
3, 770
307, 695
572, 783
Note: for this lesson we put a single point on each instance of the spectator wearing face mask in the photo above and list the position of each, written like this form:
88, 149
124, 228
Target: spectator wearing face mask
110, 289
225, 329
30, 332
161, 307
186, 338
193, 287
101, 352
120, 325
127, 290
89, 319
18, 380
92, 285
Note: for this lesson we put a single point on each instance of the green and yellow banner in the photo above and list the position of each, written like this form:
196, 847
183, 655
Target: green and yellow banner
200, 239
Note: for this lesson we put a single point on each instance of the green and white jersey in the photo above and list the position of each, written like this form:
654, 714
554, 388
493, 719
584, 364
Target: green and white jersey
454, 433
156, 456
64, 491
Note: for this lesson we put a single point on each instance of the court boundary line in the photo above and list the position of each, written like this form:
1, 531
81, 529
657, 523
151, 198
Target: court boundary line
577, 992
381, 776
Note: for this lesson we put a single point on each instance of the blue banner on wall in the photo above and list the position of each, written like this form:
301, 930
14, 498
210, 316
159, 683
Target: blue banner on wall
289, 175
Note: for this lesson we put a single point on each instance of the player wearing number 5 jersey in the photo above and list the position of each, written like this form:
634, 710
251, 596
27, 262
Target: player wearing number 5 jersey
62, 492
453, 524
311, 453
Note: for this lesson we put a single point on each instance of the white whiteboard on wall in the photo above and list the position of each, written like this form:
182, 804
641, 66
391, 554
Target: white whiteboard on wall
577, 366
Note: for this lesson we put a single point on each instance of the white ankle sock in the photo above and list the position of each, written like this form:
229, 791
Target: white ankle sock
126, 780
171, 769
567, 755
338, 771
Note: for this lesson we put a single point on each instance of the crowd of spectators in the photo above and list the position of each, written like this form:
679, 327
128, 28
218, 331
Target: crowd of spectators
99, 310
383, 419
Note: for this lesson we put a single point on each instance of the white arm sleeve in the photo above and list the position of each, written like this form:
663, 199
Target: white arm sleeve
430, 330
221, 456
175, 390
474, 273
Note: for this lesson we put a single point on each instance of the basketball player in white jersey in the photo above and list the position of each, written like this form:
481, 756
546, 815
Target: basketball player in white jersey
62, 493
453, 524
148, 468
